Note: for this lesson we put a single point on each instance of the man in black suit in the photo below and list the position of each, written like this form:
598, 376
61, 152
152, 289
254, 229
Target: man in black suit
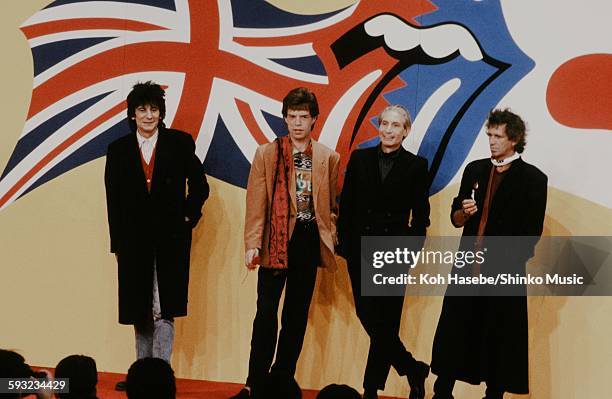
150, 217
385, 193
484, 338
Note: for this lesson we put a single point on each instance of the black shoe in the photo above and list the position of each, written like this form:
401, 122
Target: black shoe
120, 386
370, 394
493, 394
243, 394
416, 380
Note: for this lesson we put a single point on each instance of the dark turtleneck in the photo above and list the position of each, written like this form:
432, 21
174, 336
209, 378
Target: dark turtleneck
386, 161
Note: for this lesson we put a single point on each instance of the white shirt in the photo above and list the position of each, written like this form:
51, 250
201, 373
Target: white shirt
147, 145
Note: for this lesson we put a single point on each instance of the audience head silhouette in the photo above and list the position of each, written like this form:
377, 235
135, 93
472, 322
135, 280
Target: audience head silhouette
150, 378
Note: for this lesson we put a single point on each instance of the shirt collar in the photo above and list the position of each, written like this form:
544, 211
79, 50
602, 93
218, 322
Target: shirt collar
506, 161
142, 139
387, 155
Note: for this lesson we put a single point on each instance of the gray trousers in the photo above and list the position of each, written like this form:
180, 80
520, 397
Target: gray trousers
155, 338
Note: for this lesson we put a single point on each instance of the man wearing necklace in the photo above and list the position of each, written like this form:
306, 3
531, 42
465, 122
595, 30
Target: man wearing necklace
290, 230
484, 338
385, 193
150, 219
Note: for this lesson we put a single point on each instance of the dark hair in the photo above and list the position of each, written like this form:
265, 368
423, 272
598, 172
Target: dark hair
83, 375
335, 391
150, 378
301, 99
148, 93
13, 365
279, 385
515, 126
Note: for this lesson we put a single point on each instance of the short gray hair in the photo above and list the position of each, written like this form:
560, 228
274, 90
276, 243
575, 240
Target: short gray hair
400, 109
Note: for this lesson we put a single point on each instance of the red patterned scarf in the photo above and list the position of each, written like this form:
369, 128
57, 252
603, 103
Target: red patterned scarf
279, 216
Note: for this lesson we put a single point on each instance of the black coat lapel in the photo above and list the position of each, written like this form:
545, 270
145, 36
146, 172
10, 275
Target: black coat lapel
160, 158
374, 168
482, 179
135, 162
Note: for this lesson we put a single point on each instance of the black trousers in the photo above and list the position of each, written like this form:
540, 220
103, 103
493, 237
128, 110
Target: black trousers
381, 318
443, 389
299, 281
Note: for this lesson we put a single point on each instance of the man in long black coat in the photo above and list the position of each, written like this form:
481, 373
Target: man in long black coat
484, 338
155, 189
385, 193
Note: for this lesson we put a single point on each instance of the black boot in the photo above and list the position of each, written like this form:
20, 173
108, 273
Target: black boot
369, 393
416, 379
243, 394
493, 393
443, 388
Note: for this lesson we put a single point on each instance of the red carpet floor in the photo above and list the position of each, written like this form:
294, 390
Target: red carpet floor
186, 389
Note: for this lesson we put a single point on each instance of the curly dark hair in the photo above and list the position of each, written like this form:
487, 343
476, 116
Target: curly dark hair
516, 129
147, 93
301, 98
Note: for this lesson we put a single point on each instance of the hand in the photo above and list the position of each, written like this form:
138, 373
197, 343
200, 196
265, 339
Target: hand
469, 208
251, 258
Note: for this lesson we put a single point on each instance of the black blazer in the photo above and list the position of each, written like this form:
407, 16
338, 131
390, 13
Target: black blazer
399, 205
152, 225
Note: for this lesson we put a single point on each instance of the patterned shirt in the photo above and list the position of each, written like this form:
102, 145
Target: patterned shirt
303, 186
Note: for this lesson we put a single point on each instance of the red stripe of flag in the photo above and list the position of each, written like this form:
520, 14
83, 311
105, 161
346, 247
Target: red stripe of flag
251, 123
67, 25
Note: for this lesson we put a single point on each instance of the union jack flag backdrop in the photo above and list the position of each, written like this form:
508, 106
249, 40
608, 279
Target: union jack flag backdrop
226, 65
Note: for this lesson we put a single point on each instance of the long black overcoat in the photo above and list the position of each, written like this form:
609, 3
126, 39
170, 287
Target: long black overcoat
485, 338
156, 225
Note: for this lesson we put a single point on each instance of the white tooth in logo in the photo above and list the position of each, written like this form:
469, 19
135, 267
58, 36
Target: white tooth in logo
438, 42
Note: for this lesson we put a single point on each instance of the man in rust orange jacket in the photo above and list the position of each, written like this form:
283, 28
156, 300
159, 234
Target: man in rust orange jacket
290, 230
